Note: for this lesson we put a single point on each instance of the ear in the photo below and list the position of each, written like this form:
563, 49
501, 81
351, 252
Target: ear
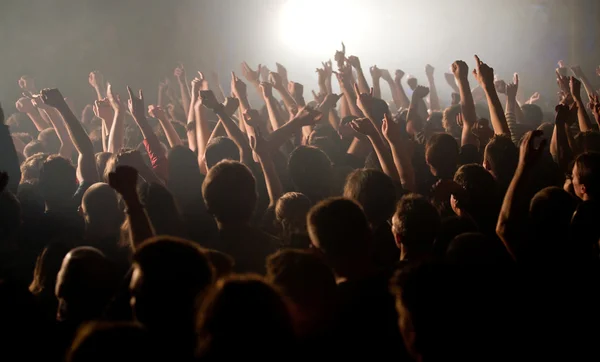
455, 205
486, 165
398, 240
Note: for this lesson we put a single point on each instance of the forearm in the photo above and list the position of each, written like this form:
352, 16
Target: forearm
403, 98
57, 122
274, 187
140, 227
404, 166
467, 104
172, 136
235, 133
496, 112
100, 93
117, 134
288, 100
202, 131
363, 86
273, 111
334, 120
376, 87
434, 100
279, 136
394, 93
38, 121
185, 94
585, 124
385, 157
77, 133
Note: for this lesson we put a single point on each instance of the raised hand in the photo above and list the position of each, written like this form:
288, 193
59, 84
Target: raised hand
429, 69
390, 129
283, 73
179, 73
136, 104
266, 89
412, 82
398, 75
114, 99
375, 72
264, 73
364, 126
563, 82
511, 90
575, 88
252, 76
307, 116
96, 79
208, 100
103, 109
460, 69
25, 105
354, 61
252, 118
53, 97
156, 111
340, 56
483, 73
364, 101
27, 83
500, 86
330, 101
295, 89
534, 98
529, 154
385, 75
421, 92
124, 181
231, 105
328, 68
562, 114
276, 80
238, 87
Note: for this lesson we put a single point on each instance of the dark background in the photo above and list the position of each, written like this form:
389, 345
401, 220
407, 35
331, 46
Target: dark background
137, 42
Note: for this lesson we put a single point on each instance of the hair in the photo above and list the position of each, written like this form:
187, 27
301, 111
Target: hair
20, 123
290, 213
588, 170
450, 228
50, 140
416, 223
30, 169
339, 228
162, 209
533, 115
33, 147
219, 149
311, 172
501, 158
222, 263
58, 182
32, 202
104, 341
374, 191
229, 191
441, 154
475, 249
244, 316
101, 206
449, 120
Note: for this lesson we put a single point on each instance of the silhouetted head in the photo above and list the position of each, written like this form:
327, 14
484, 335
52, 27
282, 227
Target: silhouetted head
375, 192
475, 249
84, 285
416, 224
449, 121
307, 283
244, 316
311, 172
222, 263
185, 179
229, 191
219, 149
50, 141
586, 175
32, 202
501, 159
101, 161
30, 169
101, 211
162, 209
533, 115
58, 182
104, 341
339, 229
290, 213
441, 154
34, 147
169, 274
587, 141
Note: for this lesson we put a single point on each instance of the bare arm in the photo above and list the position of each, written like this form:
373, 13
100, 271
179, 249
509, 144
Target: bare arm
366, 127
485, 76
362, 81
434, 100
66, 145
116, 135
559, 146
400, 154
25, 105
172, 136
467, 105
401, 94
263, 150
585, 124
179, 73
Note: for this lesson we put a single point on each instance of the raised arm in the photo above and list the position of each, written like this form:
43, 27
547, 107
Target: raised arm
584, 120
376, 77
25, 105
179, 73
559, 146
86, 165
485, 76
403, 100
512, 221
116, 135
589, 89
467, 105
96, 80
124, 181
9, 161
263, 151
434, 100
272, 107
595, 107
157, 112
367, 128
66, 145
362, 81
400, 153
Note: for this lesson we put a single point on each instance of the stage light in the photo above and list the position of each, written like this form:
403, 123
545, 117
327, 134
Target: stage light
317, 27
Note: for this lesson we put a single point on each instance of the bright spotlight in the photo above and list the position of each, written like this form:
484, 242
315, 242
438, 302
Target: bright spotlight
317, 27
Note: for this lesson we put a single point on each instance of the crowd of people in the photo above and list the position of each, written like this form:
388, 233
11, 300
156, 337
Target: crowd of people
205, 228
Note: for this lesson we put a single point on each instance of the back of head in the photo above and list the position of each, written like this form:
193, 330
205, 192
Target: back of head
301, 276
101, 161
533, 115
501, 158
34, 147
550, 213
450, 228
222, 263
339, 229
441, 154
47, 266
291, 210
311, 172
229, 191
481, 198
50, 140
475, 249
103, 341
32, 202
416, 224
168, 271
244, 316
449, 120
184, 171
162, 209
374, 191
219, 149
58, 182
30, 169
100, 206
84, 285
